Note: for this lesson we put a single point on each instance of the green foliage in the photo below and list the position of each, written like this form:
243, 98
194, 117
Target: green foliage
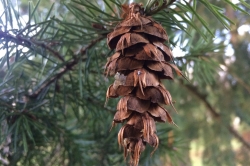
52, 87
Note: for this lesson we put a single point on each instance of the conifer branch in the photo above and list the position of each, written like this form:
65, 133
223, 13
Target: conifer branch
28, 42
202, 97
68, 66
239, 137
163, 6
47, 47
214, 113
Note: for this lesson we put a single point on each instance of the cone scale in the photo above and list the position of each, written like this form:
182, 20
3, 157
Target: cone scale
141, 60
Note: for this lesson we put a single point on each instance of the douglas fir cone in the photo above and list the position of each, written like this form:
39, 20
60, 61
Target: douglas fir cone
140, 62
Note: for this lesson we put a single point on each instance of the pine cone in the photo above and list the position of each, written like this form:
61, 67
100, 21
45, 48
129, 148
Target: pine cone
141, 60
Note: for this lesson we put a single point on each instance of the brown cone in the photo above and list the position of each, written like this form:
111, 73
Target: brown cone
140, 61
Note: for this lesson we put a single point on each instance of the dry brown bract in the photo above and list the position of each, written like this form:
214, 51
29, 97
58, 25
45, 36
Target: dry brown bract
140, 61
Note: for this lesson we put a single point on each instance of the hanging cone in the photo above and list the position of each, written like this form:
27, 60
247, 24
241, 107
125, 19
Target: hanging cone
141, 60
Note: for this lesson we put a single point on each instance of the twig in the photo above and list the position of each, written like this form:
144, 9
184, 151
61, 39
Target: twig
238, 136
215, 114
163, 6
20, 40
47, 47
202, 97
68, 66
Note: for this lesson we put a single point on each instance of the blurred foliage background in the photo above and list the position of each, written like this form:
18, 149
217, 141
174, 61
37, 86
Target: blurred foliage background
52, 86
